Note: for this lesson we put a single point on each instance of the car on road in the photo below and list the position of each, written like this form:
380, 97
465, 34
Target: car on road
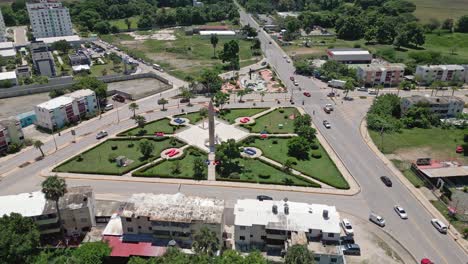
400, 212
288, 61
119, 98
362, 89
347, 227
439, 225
372, 91
386, 180
296, 83
330, 106
263, 197
426, 261
326, 124
109, 107
327, 110
331, 94
377, 219
269, 42
291, 78
307, 94
351, 249
101, 134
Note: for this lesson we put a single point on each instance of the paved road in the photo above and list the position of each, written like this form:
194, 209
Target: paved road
417, 233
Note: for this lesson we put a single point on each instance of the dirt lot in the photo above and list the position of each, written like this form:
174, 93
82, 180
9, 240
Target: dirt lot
17, 105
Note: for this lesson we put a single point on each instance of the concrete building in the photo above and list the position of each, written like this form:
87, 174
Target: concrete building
49, 19
66, 109
10, 132
23, 71
9, 77
79, 59
350, 56
76, 209
167, 217
218, 33
385, 74
273, 225
445, 106
2, 28
43, 59
429, 73
7, 49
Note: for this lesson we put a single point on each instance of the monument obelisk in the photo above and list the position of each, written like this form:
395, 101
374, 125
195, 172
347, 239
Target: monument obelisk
211, 127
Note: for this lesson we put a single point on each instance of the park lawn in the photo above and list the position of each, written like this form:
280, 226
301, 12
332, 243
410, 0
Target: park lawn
160, 125
322, 169
120, 23
255, 169
442, 142
194, 117
95, 160
427, 9
270, 121
459, 225
165, 168
230, 115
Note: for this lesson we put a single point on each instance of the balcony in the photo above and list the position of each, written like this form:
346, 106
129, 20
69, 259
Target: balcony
48, 221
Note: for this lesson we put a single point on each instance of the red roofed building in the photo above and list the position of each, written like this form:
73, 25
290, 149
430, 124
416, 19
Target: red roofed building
126, 249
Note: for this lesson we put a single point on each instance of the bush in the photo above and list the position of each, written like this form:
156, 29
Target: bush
79, 158
314, 146
274, 142
173, 141
112, 157
286, 116
234, 175
465, 138
263, 176
130, 145
316, 155
114, 147
281, 111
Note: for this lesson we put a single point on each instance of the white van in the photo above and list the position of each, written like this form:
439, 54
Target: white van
377, 219
109, 107
158, 67
441, 227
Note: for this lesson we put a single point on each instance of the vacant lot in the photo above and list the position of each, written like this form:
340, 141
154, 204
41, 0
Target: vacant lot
279, 121
427, 9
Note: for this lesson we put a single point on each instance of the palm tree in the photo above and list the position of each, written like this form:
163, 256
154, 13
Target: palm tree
186, 94
454, 88
205, 242
140, 121
128, 23
262, 94
378, 88
53, 189
133, 107
214, 42
162, 102
38, 145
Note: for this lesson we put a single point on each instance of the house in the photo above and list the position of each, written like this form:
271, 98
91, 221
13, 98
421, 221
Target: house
76, 210
349, 56
8, 79
386, 74
43, 60
10, 132
66, 109
430, 73
163, 218
49, 19
23, 71
7, 49
270, 225
445, 106
79, 59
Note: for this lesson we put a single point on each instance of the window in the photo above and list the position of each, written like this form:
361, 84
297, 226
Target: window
333, 260
242, 238
242, 228
263, 237
331, 235
83, 220
130, 229
128, 219
317, 259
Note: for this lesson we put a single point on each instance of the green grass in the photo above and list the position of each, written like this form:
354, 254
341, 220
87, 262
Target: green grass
160, 125
120, 23
405, 168
116, 37
322, 169
254, 168
97, 69
427, 9
442, 142
96, 159
270, 121
165, 168
194, 117
230, 115
459, 225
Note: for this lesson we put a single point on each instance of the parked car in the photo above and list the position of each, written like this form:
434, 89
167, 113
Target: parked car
386, 180
109, 107
347, 239
377, 219
288, 61
329, 106
347, 227
439, 225
263, 197
400, 212
101, 134
291, 78
119, 98
331, 94
307, 94
351, 249
296, 83
326, 124
426, 261
372, 91
263, 63
362, 89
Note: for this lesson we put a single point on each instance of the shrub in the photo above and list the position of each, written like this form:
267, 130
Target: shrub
274, 142
80, 158
281, 111
173, 141
263, 176
286, 116
141, 132
114, 147
130, 145
234, 175
288, 181
363, 97
112, 157
316, 155
314, 146
294, 163
465, 138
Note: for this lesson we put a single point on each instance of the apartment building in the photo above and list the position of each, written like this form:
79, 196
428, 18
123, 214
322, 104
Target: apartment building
384, 74
10, 132
349, 56
164, 217
429, 73
43, 60
66, 109
270, 225
445, 106
76, 209
49, 19
2, 28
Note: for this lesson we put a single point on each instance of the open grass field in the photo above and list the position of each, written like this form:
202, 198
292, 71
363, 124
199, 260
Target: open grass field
230, 115
166, 168
96, 160
427, 9
160, 125
258, 172
270, 121
322, 169
436, 143
120, 23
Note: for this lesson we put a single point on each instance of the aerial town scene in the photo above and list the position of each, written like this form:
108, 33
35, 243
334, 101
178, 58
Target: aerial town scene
234, 131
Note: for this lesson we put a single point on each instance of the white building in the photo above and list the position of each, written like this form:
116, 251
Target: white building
9, 77
430, 73
272, 224
74, 40
445, 106
7, 49
350, 56
171, 217
76, 208
219, 33
49, 19
66, 109
2, 28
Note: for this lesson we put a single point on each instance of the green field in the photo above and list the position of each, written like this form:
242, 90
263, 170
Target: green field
427, 9
120, 23
405, 168
194, 117
322, 169
96, 160
270, 121
165, 169
256, 171
160, 125
230, 115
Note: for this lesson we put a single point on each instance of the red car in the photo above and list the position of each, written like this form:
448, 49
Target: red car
459, 149
307, 94
426, 261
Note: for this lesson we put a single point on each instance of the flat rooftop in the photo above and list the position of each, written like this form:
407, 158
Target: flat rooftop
434, 99
6, 45
301, 217
345, 51
174, 208
7, 75
50, 40
56, 102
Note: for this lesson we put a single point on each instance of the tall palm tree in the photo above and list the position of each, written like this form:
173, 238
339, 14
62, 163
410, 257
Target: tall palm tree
262, 94
38, 145
214, 42
133, 107
455, 88
53, 189
187, 95
163, 102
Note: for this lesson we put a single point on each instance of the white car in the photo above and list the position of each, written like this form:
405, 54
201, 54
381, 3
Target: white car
284, 56
288, 61
101, 134
296, 83
329, 106
441, 227
401, 212
109, 107
377, 219
326, 124
347, 227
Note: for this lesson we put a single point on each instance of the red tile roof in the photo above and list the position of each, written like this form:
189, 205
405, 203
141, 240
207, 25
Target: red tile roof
122, 249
